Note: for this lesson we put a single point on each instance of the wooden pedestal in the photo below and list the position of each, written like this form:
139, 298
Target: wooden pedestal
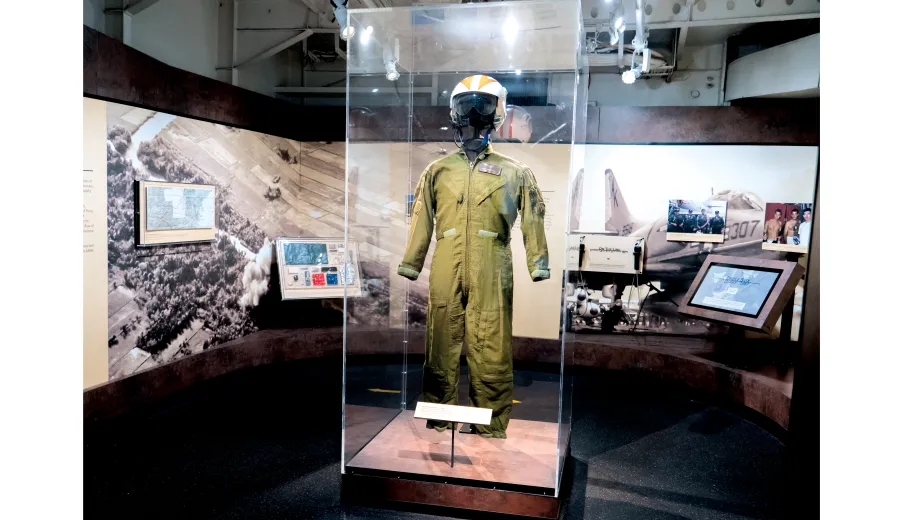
407, 463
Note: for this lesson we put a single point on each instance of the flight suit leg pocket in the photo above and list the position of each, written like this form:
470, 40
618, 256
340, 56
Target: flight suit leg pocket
443, 344
489, 339
494, 390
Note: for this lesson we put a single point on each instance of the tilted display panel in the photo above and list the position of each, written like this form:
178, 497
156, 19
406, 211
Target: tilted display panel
463, 257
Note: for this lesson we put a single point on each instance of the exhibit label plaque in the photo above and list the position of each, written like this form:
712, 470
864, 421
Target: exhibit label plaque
95, 294
452, 413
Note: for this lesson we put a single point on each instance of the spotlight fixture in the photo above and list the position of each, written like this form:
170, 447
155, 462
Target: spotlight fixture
641, 55
366, 35
617, 23
629, 76
510, 29
390, 60
347, 31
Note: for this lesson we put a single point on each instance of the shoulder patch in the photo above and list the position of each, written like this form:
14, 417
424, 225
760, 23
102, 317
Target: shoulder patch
535, 200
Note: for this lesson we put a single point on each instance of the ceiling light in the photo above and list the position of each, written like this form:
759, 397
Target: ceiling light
347, 32
629, 76
390, 60
511, 28
369, 30
365, 37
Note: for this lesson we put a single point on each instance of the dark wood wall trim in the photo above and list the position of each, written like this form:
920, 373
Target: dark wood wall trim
793, 124
664, 360
113, 71
782, 124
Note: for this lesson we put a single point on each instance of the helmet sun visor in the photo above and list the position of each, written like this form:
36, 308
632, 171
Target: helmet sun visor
484, 104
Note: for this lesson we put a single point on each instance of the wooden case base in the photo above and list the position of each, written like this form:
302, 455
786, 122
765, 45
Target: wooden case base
406, 463
382, 491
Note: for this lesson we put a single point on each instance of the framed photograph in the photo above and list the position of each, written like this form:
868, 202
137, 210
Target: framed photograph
787, 227
696, 220
174, 213
749, 292
317, 268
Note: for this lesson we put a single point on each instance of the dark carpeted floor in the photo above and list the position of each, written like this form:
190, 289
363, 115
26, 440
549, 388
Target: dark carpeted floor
265, 443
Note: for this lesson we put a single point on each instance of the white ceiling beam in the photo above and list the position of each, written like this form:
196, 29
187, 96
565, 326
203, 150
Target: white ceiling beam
715, 23
681, 43
139, 6
310, 5
126, 28
272, 51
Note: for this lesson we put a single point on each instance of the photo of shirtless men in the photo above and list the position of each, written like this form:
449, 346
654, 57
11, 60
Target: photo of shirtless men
788, 223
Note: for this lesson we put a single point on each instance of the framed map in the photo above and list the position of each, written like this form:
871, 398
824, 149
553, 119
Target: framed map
174, 213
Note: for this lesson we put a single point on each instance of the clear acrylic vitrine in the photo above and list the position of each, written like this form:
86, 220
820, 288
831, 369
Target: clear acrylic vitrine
403, 65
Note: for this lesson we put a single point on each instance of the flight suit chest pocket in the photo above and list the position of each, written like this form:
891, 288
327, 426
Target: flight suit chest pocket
494, 199
493, 185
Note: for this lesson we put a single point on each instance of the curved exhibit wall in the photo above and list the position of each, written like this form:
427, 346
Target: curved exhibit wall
168, 303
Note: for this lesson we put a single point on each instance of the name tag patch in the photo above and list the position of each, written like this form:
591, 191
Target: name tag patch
490, 168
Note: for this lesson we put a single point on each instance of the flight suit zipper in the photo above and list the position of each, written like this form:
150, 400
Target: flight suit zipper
468, 210
468, 198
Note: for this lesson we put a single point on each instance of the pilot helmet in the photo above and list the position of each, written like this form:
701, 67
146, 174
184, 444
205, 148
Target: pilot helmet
478, 101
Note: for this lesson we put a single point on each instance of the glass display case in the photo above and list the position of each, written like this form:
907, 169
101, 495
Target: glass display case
462, 254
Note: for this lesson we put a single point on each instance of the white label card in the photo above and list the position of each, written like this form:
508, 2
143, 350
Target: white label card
452, 413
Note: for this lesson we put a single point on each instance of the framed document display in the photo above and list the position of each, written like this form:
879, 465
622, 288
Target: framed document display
174, 213
317, 268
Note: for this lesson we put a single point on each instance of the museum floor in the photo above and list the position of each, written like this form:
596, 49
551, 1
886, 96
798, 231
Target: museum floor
265, 443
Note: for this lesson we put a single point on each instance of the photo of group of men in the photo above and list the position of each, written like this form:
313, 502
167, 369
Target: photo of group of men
788, 224
689, 217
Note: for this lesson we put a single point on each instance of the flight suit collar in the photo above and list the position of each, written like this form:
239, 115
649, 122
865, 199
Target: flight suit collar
484, 153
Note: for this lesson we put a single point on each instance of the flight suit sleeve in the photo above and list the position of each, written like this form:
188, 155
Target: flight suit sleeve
532, 224
418, 240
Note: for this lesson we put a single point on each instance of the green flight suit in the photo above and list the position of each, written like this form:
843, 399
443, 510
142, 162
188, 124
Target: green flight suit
472, 207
